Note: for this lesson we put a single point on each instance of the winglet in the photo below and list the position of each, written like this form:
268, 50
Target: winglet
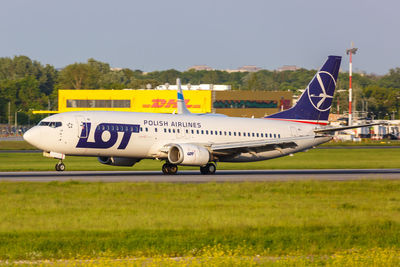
182, 109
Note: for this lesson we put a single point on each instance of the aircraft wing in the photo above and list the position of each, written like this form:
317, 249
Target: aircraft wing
335, 129
256, 146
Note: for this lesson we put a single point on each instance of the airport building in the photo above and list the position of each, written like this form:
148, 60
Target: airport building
231, 103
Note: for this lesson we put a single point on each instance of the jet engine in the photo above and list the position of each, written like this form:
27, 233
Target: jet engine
188, 154
118, 161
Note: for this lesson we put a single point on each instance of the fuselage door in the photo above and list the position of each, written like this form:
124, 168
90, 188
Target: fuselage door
82, 127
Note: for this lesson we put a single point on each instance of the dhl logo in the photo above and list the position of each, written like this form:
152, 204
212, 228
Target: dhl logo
170, 103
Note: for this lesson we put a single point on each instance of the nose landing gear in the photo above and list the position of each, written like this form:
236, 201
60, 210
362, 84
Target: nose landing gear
60, 166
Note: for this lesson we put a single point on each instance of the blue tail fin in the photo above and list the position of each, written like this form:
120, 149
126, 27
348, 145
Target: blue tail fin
315, 103
182, 109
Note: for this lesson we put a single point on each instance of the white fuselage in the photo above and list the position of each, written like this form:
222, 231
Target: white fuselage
142, 135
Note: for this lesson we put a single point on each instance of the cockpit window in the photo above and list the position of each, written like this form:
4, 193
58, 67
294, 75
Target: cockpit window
43, 123
52, 124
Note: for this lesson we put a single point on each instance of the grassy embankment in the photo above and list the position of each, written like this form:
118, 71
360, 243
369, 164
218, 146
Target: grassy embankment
300, 223
313, 159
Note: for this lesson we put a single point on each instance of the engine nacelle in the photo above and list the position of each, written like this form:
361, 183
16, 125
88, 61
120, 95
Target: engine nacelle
118, 161
188, 154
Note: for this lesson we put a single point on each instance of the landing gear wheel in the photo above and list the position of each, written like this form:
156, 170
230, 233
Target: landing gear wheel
169, 168
60, 167
165, 168
173, 169
210, 168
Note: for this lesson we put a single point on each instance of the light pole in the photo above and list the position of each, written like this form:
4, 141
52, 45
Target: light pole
350, 52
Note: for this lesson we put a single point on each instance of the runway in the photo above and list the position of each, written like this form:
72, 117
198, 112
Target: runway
196, 177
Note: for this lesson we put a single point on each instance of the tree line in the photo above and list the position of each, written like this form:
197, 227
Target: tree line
27, 85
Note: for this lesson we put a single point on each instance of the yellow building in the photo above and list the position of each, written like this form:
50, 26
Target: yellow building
231, 103
160, 101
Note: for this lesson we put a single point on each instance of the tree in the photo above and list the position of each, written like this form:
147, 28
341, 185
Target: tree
391, 80
74, 76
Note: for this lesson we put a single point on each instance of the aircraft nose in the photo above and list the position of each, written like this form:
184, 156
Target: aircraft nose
32, 136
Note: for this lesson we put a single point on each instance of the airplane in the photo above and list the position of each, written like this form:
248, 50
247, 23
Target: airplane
187, 139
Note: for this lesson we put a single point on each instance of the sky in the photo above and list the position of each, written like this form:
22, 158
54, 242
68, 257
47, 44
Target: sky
225, 34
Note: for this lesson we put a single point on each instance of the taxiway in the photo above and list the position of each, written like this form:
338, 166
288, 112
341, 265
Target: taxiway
196, 177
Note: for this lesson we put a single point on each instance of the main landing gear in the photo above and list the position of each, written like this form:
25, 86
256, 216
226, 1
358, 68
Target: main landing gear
210, 168
169, 168
60, 166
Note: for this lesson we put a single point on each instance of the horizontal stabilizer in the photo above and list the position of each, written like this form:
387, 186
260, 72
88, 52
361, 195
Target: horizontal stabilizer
335, 129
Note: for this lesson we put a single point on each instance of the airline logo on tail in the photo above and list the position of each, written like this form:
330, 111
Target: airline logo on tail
315, 103
318, 95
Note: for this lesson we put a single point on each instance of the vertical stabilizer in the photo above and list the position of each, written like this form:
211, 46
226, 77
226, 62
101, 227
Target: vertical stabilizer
182, 109
315, 103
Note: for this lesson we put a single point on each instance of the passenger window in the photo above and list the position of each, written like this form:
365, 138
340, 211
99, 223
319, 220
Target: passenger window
169, 130
187, 131
229, 133
155, 129
220, 132
252, 134
192, 132
262, 135
147, 129
178, 130
197, 131
202, 131
211, 132
257, 134
224, 133
270, 135
248, 134
165, 130
206, 131
234, 133
173, 130
239, 133
274, 135
141, 129
279, 136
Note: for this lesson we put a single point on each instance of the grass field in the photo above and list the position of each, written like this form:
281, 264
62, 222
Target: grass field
289, 223
309, 223
313, 159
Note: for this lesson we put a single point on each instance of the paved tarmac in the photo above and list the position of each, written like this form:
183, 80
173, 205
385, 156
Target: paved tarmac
196, 177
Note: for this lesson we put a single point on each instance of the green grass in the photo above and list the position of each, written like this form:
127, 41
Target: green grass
364, 142
314, 159
16, 145
73, 219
